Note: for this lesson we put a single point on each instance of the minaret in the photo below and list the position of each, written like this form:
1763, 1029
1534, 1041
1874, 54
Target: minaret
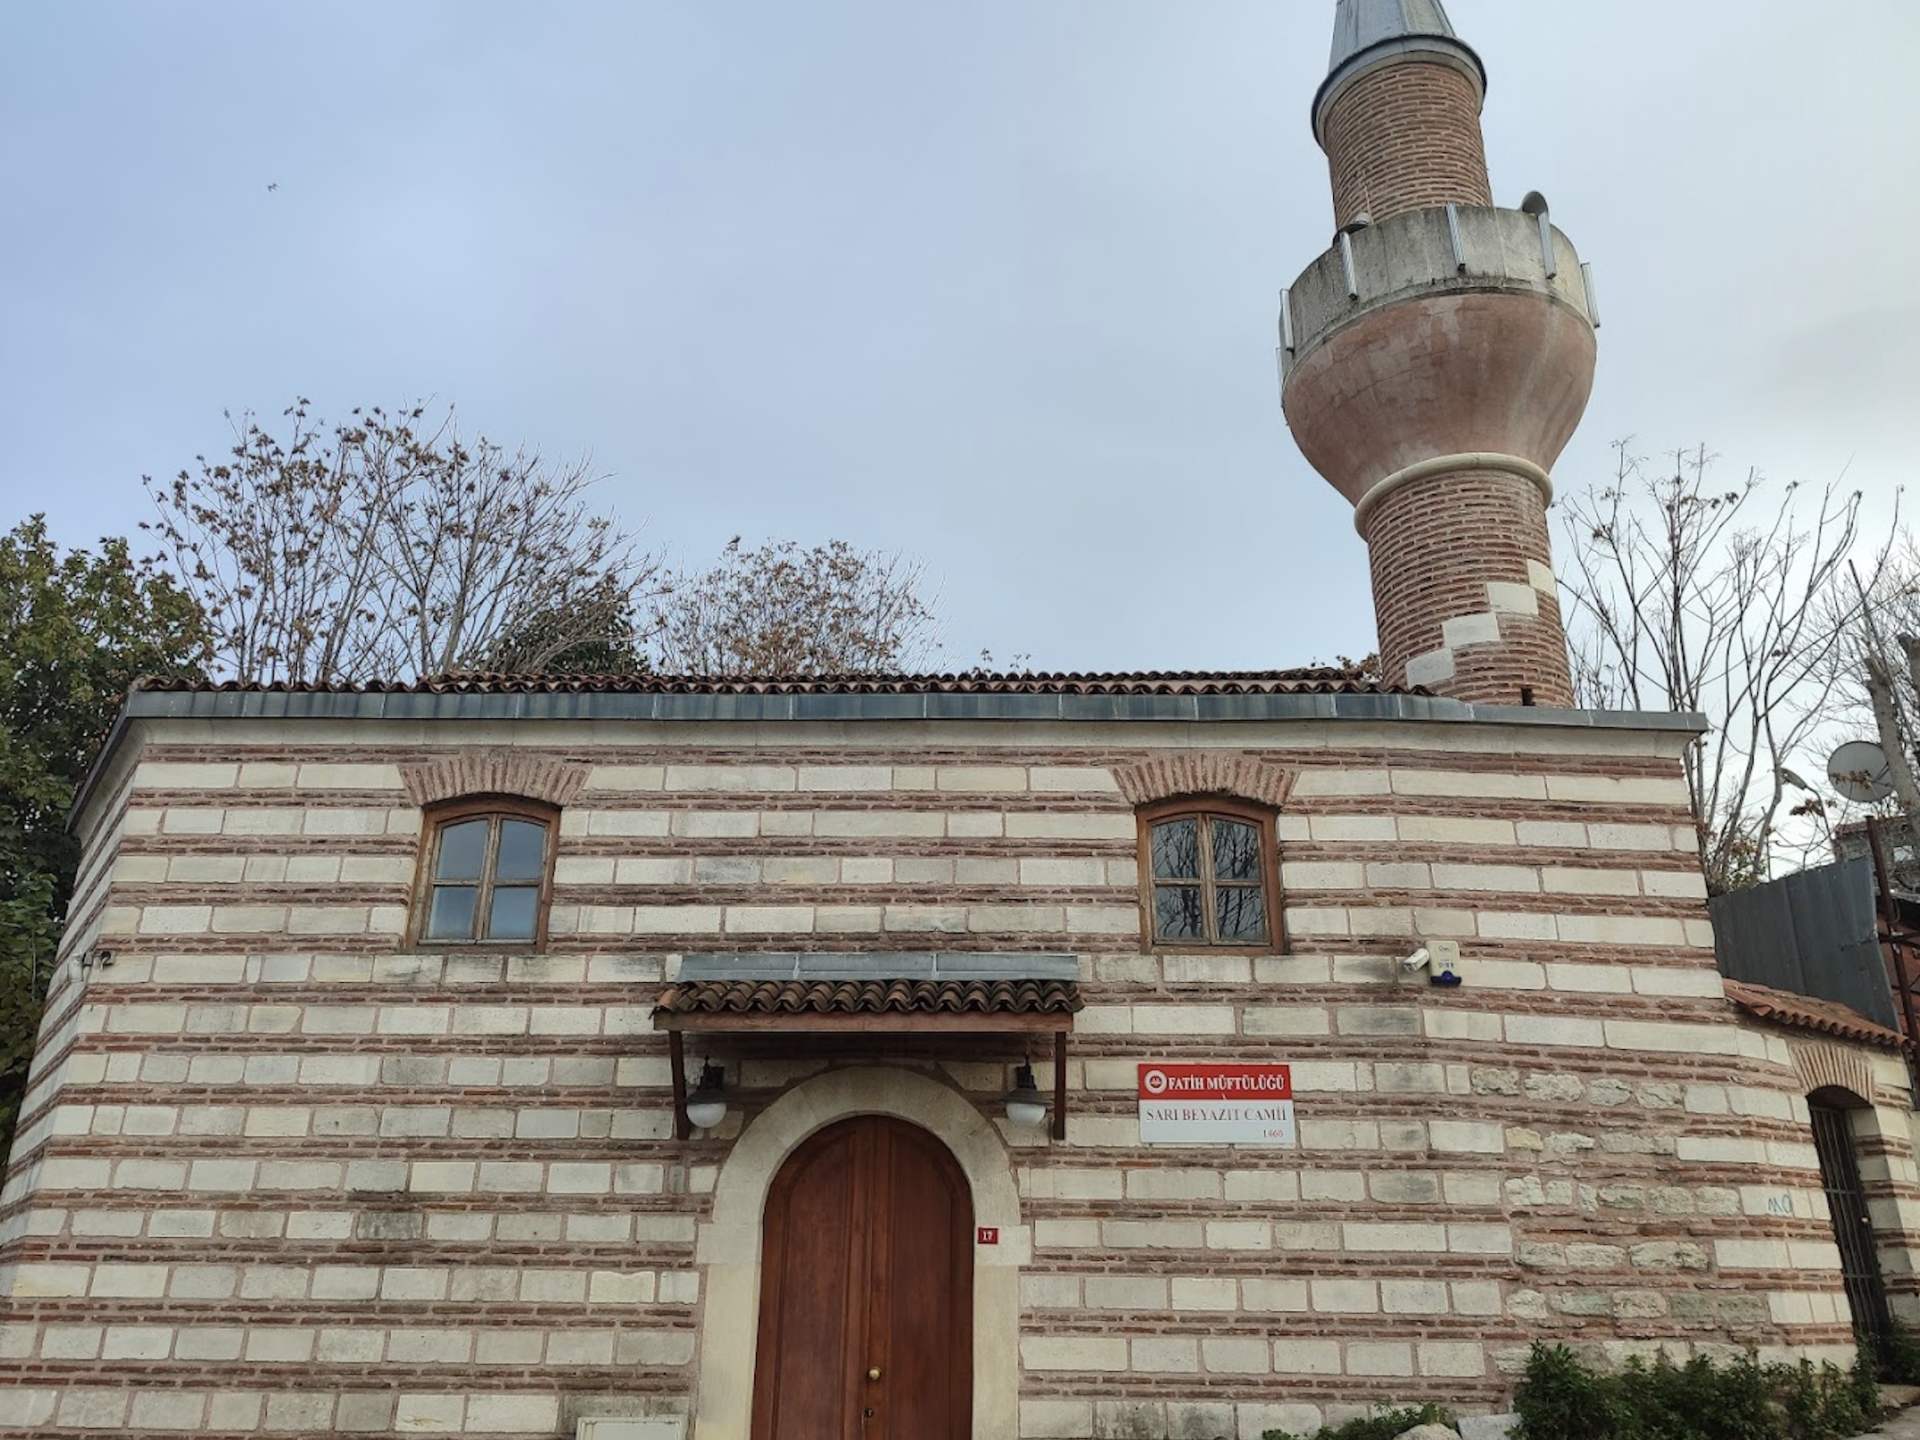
1435, 362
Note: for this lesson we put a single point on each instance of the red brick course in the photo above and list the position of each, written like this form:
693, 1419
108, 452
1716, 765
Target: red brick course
1434, 546
1405, 137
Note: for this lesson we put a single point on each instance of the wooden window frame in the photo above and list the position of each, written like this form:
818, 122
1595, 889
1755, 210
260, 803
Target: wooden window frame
435, 820
1201, 807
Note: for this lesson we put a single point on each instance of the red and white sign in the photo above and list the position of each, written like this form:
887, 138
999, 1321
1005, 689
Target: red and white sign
988, 1235
1215, 1104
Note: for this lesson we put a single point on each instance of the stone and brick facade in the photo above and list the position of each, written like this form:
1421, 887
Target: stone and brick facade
286, 1170
294, 1161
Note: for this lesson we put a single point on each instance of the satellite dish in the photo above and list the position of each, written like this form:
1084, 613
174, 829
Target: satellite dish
1859, 771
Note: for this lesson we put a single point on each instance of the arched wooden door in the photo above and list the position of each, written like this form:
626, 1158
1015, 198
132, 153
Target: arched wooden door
866, 1291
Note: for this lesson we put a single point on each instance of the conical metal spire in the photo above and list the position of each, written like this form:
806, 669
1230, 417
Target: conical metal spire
1362, 24
1369, 32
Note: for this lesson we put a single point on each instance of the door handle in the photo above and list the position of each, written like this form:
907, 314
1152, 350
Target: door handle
874, 1373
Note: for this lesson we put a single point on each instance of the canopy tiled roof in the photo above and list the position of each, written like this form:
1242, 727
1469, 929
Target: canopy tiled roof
1803, 1012
950, 1004
1312, 680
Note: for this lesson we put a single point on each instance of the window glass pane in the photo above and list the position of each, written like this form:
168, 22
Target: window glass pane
450, 916
514, 911
1176, 850
1236, 850
1176, 912
463, 846
523, 851
1242, 912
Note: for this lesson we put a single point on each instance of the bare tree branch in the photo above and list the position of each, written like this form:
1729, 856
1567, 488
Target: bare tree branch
781, 610
1684, 596
389, 546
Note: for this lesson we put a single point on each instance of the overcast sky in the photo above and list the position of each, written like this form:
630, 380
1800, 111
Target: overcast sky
991, 282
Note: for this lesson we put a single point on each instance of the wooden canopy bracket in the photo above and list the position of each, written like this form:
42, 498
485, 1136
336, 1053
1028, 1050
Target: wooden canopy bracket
678, 1026
677, 1059
1060, 1084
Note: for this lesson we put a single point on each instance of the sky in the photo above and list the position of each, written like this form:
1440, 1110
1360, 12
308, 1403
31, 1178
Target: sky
992, 284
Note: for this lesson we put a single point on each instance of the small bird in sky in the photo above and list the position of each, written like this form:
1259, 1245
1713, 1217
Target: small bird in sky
273, 186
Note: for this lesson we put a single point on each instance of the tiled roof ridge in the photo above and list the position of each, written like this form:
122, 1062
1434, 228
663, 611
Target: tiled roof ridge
1318, 679
869, 997
1804, 1012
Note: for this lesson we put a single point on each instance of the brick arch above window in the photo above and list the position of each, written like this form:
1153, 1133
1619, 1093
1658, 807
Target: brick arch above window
493, 772
1204, 772
1823, 1066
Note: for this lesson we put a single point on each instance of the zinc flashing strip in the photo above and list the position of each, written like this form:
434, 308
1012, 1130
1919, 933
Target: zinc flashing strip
357, 706
930, 705
880, 965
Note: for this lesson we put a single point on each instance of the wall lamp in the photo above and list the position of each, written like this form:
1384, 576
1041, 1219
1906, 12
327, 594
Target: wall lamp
707, 1105
1025, 1104
96, 956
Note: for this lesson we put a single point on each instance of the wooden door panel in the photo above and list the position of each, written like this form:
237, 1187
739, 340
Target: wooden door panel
867, 1263
927, 1252
812, 1298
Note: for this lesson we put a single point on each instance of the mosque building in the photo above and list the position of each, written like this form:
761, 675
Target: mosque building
963, 1057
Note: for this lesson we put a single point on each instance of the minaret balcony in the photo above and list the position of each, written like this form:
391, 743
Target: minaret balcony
1454, 330
1450, 248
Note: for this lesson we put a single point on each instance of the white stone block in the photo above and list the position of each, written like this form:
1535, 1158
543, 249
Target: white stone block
1183, 1020
1419, 1239
1062, 872
676, 920
1631, 930
1432, 667
1457, 830
1103, 919
1294, 1356
1239, 1235
1555, 1030
865, 779
1206, 1293
1467, 1137
1357, 829
1379, 1358
768, 919
1322, 875
715, 824
1452, 1358
1551, 834
1236, 1355
1479, 878
1344, 1297
879, 824
1507, 598
1068, 825
1056, 1419
1073, 1352
1072, 779
1318, 781
1168, 1355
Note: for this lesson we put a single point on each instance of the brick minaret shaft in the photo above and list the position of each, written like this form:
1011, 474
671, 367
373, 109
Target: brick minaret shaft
1436, 362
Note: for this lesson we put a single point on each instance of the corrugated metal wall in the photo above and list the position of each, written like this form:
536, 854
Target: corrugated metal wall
1812, 934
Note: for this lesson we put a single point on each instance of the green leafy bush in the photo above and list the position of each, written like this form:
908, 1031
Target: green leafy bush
1898, 1356
1561, 1399
1384, 1426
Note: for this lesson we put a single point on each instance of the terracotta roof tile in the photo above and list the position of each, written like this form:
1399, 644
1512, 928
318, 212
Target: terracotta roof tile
870, 997
1317, 680
1803, 1012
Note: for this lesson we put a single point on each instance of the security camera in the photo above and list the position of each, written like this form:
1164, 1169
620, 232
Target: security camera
1416, 959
